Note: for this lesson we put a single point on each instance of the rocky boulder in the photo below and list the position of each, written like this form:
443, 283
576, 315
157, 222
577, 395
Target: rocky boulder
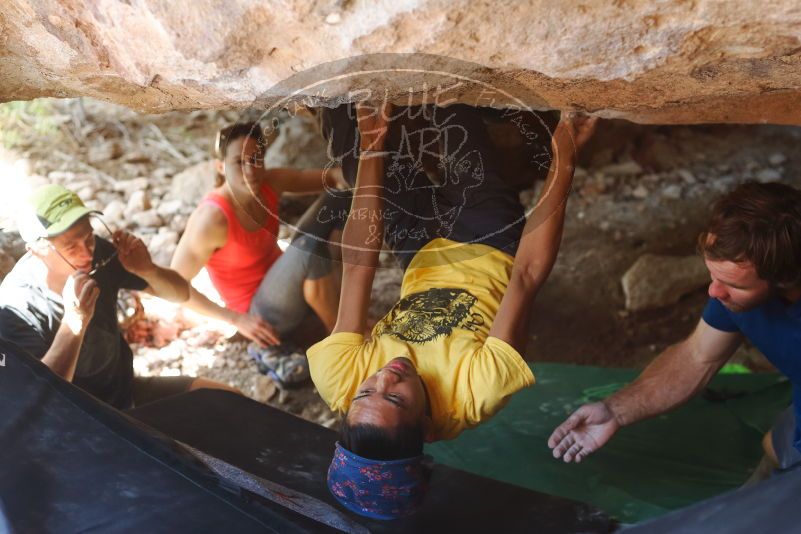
11, 249
191, 185
652, 62
656, 281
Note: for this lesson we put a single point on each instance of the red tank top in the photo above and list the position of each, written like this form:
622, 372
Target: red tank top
237, 268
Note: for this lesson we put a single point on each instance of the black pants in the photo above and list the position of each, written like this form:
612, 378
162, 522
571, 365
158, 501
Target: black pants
468, 203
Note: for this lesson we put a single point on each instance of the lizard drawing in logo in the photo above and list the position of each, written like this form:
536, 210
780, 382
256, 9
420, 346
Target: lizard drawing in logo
426, 315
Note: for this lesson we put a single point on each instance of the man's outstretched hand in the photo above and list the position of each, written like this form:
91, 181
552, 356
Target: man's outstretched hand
584, 432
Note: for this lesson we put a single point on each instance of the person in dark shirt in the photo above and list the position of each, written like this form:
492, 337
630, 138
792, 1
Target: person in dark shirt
59, 302
752, 248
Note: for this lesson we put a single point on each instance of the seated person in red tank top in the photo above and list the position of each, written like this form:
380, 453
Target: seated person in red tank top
233, 233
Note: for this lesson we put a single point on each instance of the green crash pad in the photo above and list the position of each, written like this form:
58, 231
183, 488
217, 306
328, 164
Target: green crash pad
707, 447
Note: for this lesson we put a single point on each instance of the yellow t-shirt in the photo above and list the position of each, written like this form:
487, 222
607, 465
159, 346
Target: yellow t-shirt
450, 295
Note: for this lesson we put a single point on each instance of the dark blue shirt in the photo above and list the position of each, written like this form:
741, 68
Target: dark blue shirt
775, 329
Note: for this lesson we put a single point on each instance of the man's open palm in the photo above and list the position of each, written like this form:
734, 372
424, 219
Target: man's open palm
584, 432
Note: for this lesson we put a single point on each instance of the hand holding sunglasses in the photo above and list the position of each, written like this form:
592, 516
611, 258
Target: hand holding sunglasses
132, 253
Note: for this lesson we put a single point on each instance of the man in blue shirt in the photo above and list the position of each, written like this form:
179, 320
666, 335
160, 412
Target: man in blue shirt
752, 248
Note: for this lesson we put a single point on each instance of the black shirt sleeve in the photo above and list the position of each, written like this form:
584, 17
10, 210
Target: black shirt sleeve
114, 271
126, 279
16, 330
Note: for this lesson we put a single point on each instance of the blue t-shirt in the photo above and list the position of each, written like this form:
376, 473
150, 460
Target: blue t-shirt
775, 329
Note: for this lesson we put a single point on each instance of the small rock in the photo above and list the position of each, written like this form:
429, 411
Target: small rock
163, 173
191, 185
86, 193
777, 158
724, 183
104, 152
333, 18
105, 197
162, 246
79, 184
138, 202
114, 210
687, 176
640, 192
147, 218
178, 223
128, 187
768, 175
594, 187
264, 388
160, 190
61, 177
672, 192
169, 208
655, 281
283, 396
625, 168
136, 157
12, 249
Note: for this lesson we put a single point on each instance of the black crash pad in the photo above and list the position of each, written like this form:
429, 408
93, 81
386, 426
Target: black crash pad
770, 506
69, 463
295, 453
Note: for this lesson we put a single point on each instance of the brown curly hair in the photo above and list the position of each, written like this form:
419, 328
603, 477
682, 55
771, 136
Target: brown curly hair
761, 224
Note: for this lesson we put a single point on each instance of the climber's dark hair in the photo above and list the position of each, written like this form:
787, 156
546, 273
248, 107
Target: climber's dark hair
231, 133
378, 443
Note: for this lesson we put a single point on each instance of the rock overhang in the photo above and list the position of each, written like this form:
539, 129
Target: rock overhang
673, 62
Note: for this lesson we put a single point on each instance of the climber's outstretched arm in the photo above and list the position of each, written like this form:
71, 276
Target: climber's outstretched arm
542, 234
363, 236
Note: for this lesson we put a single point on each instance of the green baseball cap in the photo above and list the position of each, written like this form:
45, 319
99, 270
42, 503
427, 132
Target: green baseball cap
52, 210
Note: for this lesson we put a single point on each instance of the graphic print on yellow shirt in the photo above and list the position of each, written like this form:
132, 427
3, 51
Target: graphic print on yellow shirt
450, 295
423, 316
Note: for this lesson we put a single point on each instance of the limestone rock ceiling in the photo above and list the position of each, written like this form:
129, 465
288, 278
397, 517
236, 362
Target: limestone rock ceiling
673, 61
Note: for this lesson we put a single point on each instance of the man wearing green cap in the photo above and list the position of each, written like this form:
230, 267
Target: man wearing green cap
59, 302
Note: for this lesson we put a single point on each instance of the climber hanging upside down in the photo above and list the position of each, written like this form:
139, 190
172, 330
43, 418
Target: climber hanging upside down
447, 356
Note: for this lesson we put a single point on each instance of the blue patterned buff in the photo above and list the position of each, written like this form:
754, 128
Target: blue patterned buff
375, 488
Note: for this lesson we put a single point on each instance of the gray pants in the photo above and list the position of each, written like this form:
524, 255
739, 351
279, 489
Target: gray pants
279, 299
